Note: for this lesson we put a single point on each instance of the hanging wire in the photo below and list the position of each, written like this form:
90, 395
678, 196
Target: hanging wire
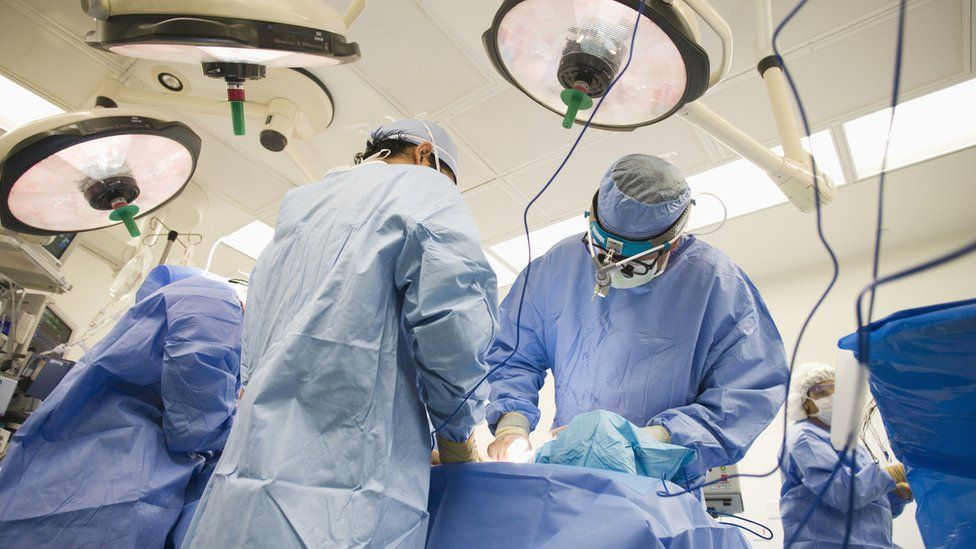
725, 215
835, 264
528, 236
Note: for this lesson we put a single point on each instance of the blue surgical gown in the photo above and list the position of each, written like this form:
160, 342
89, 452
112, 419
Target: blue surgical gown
694, 350
810, 459
106, 460
373, 306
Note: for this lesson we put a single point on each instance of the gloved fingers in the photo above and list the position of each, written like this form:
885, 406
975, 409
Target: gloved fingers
504, 446
658, 433
904, 491
457, 452
435, 457
897, 473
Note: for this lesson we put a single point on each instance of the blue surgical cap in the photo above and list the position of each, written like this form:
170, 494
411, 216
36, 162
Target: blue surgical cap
417, 132
641, 196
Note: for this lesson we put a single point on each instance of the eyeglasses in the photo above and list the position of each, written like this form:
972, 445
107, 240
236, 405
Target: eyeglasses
821, 390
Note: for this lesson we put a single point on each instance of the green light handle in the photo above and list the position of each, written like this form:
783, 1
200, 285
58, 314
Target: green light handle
237, 115
574, 105
127, 215
575, 101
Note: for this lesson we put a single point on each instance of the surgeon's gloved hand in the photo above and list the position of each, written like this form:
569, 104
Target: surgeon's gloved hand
897, 473
658, 433
511, 438
904, 491
457, 452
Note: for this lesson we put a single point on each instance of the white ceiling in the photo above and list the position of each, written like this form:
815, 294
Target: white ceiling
425, 56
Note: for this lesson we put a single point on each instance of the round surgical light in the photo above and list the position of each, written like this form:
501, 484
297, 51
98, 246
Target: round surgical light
234, 40
564, 54
86, 171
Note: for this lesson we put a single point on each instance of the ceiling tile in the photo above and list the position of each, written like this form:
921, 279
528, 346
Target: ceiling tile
48, 59
497, 211
469, 20
408, 56
68, 15
236, 175
814, 19
511, 130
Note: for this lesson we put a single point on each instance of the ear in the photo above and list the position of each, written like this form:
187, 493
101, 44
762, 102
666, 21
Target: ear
422, 151
809, 407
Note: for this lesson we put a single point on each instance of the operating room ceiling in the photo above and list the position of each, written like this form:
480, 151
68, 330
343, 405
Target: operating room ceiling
424, 57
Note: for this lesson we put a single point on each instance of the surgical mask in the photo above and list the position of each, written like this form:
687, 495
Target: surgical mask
825, 409
622, 263
615, 271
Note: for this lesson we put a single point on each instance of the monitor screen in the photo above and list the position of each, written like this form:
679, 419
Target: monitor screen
52, 331
60, 244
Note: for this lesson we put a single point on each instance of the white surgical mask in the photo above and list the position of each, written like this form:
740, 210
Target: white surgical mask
614, 270
621, 281
825, 409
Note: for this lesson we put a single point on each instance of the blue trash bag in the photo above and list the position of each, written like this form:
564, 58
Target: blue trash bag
922, 366
605, 440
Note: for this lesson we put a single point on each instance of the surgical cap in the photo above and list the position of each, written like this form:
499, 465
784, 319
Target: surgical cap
805, 376
417, 132
641, 196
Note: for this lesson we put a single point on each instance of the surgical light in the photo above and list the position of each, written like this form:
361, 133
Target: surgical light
234, 40
86, 171
564, 55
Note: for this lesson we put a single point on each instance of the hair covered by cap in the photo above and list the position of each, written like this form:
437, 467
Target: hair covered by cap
641, 196
804, 377
414, 131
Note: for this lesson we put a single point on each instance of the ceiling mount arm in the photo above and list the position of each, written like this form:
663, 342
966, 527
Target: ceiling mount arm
793, 177
718, 25
352, 12
793, 172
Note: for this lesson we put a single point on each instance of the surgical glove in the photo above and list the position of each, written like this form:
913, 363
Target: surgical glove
512, 427
658, 433
904, 491
897, 473
457, 452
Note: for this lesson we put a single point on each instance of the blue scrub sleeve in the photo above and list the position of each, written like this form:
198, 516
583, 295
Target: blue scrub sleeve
816, 459
200, 373
739, 395
515, 386
449, 311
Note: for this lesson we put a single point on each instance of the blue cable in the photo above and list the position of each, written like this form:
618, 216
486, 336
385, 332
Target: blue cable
895, 91
823, 239
525, 225
750, 521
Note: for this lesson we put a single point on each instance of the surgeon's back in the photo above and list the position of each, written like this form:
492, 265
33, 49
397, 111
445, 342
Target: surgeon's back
374, 291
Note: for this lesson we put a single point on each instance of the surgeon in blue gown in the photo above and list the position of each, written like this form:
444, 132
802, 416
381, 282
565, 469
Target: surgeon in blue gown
369, 318
106, 460
638, 318
880, 493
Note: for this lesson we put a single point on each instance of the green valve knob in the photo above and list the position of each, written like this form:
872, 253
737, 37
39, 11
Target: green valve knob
237, 115
127, 214
576, 101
